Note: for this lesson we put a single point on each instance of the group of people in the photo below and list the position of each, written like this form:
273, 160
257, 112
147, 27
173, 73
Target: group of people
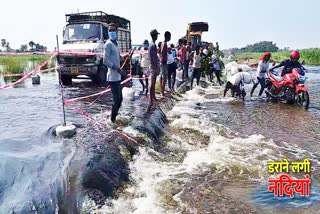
164, 60
263, 66
169, 59
152, 61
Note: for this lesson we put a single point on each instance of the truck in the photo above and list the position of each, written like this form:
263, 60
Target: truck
194, 33
87, 33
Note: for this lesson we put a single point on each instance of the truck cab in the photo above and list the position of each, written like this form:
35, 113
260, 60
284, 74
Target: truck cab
84, 37
194, 33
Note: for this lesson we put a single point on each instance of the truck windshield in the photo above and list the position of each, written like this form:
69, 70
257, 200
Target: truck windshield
82, 32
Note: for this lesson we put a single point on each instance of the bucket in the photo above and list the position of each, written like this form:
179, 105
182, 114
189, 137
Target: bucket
35, 80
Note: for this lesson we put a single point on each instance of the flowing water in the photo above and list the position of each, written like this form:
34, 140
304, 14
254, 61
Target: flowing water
211, 158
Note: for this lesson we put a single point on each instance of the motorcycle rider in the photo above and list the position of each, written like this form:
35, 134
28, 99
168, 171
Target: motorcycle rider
263, 66
289, 64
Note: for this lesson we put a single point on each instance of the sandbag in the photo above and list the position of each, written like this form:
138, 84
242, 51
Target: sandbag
231, 69
236, 78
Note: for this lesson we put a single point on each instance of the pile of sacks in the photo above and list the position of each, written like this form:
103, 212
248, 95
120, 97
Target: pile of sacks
236, 72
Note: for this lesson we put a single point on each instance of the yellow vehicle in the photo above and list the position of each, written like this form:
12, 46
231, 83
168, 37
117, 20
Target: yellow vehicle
194, 33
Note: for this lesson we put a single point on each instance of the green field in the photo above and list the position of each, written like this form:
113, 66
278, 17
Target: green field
17, 64
309, 56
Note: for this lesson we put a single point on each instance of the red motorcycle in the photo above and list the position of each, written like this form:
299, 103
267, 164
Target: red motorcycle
289, 88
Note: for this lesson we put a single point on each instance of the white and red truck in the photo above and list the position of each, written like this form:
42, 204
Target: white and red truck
81, 52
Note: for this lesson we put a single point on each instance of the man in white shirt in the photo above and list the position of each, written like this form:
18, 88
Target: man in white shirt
216, 69
111, 60
263, 67
144, 61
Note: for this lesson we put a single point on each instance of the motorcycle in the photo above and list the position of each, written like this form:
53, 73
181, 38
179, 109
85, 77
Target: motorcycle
289, 88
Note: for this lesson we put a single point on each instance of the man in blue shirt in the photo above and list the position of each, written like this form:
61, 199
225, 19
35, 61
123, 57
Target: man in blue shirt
289, 64
111, 59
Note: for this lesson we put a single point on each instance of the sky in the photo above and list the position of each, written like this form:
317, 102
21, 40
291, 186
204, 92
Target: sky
232, 23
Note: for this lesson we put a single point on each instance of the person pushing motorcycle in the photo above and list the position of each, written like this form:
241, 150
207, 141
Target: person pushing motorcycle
263, 66
289, 64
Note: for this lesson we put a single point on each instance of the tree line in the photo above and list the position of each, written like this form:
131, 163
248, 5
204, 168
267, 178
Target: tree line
258, 47
23, 48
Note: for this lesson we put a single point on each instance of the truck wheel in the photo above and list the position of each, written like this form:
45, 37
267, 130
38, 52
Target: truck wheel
101, 75
66, 79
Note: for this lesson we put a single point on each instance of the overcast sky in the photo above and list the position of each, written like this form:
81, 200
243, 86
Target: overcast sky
233, 23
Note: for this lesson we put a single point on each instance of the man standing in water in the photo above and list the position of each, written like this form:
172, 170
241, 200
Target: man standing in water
154, 64
164, 60
144, 65
111, 59
263, 67
215, 69
182, 57
186, 59
172, 66
196, 73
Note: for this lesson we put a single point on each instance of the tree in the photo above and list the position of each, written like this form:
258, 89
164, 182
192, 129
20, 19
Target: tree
38, 47
31, 44
261, 47
8, 47
43, 48
23, 48
256, 48
3, 43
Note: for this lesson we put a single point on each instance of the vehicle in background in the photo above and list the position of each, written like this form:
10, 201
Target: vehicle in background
194, 33
86, 34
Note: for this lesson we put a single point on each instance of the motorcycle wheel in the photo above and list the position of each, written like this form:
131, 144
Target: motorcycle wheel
270, 98
289, 95
303, 99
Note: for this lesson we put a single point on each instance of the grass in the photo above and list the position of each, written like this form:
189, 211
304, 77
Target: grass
310, 56
17, 64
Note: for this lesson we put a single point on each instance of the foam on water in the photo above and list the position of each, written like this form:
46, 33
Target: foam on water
39, 162
128, 93
225, 152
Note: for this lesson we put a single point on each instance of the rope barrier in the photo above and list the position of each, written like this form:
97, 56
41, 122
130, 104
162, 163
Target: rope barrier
69, 102
22, 74
25, 53
25, 76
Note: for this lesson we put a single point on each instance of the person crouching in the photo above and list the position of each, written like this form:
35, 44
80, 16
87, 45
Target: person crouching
235, 81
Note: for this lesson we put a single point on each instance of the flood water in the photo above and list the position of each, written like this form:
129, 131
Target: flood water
212, 159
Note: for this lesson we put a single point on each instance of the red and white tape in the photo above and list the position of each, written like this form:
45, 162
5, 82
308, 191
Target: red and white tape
25, 53
72, 53
22, 74
69, 102
24, 77
96, 94
89, 117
